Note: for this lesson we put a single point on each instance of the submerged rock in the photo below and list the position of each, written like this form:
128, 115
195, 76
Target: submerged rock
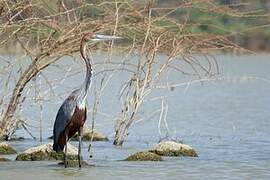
15, 138
2, 159
171, 148
144, 156
88, 133
5, 148
45, 152
73, 163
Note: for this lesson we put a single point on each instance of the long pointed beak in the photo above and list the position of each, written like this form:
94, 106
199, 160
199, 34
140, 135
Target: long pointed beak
100, 37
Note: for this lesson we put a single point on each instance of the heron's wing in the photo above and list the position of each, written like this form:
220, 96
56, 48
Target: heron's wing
63, 116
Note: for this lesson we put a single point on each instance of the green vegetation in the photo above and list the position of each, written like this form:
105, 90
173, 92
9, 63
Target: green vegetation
223, 17
245, 22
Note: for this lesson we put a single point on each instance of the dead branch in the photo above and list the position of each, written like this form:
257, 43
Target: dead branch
47, 33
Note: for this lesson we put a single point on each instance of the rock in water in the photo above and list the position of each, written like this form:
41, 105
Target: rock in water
5, 148
2, 159
171, 148
144, 156
88, 133
45, 152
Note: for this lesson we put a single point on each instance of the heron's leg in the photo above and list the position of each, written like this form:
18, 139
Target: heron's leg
80, 144
65, 154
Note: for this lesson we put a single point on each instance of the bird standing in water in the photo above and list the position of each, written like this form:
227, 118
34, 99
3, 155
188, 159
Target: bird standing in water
72, 114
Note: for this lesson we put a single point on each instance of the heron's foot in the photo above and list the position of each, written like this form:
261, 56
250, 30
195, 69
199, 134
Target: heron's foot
66, 164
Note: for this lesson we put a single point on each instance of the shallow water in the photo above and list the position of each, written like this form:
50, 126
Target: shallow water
227, 121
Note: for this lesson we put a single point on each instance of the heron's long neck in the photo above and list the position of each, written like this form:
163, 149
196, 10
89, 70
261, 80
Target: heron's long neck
88, 76
86, 84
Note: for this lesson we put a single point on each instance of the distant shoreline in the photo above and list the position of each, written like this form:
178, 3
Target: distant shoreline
256, 43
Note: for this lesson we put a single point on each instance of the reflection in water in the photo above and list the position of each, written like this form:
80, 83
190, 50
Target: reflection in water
69, 172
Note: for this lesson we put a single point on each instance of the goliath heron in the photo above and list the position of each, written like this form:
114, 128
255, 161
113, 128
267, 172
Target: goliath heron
72, 114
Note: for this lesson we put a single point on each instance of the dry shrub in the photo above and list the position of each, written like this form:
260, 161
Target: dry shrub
48, 30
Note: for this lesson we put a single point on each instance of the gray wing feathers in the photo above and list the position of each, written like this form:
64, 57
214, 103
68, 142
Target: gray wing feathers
63, 117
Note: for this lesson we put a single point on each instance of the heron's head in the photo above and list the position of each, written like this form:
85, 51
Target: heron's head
90, 37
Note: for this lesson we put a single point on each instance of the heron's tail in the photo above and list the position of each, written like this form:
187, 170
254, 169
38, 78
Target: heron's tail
56, 147
59, 143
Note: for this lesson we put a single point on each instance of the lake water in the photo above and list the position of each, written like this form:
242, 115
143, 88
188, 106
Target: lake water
227, 121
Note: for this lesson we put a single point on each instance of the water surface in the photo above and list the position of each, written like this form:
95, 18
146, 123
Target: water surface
227, 121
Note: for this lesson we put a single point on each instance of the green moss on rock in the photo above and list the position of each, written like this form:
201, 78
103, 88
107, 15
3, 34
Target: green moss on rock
43, 156
6, 149
144, 156
170, 148
23, 157
45, 153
